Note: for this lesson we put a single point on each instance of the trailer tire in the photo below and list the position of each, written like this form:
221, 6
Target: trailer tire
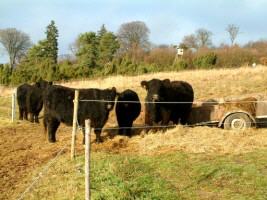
237, 121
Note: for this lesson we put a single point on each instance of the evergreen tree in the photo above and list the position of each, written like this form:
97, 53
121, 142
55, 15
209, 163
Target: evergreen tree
102, 31
52, 43
52, 50
108, 45
87, 52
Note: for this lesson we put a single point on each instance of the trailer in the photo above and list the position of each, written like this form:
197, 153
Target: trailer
237, 113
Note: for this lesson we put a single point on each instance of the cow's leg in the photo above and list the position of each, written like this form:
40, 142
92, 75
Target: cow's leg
185, 116
98, 133
148, 122
165, 114
36, 119
52, 125
122, 129
184, 119
45, 121
25, 113
21, 114
128, 130
31, 117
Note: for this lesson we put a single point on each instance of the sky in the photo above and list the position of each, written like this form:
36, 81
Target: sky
168, 20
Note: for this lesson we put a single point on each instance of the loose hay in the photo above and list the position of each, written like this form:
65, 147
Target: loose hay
204, 140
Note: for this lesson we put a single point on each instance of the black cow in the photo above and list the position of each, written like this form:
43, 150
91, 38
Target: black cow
29, 98
22, 92
34, 99
58, 107
159, 92
127, 112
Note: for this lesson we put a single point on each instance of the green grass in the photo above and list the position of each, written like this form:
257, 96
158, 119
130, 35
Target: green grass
170, 176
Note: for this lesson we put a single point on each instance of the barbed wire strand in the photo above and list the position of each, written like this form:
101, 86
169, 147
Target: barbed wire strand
162, 126
171, 102
42, 173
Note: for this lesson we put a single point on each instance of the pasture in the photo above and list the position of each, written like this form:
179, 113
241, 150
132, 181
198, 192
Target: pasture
182, 163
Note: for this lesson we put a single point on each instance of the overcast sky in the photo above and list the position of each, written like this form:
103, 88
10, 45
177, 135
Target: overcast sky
168, 20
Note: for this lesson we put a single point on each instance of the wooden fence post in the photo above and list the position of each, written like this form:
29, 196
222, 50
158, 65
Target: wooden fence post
13, 112
74, 123
87, 158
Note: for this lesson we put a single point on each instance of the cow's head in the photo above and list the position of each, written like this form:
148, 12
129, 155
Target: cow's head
43, 84
156, 90
110, 95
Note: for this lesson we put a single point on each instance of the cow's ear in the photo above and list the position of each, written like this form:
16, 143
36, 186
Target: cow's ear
166, 82
144, 84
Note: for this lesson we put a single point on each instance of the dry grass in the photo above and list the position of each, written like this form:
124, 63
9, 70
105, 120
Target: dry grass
206, 83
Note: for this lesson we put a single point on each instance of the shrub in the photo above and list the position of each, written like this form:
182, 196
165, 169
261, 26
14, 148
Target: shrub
205, 61
5, 74
181, 64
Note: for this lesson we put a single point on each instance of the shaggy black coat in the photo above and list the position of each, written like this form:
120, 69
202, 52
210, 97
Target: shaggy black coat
30, 99
158, 92
127, 112
58, 107
34, 99
22, 92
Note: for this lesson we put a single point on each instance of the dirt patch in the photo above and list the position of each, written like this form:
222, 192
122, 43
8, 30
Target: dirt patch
23, 147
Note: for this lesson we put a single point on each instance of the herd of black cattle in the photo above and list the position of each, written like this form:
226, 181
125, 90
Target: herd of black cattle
95, 104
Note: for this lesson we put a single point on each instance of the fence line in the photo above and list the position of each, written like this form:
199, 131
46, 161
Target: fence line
160, 126
42, 173
171, 102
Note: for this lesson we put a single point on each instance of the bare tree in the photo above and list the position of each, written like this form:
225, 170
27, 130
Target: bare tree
189, 41
15, 42
204, 37
133, 35
233, 31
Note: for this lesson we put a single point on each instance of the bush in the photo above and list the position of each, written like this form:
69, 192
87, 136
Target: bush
181, 64
5, 74
235, 57
205, 61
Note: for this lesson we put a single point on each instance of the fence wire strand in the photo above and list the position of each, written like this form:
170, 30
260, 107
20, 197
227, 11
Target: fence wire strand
172, 102
42, 173
162, 126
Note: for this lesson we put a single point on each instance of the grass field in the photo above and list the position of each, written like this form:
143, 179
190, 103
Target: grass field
182, 163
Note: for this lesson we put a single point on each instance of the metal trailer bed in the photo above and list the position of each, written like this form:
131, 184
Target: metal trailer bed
231, 114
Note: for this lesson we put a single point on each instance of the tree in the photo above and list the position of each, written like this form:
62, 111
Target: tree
15, 43
108, 45
133, 35
51, 50
51, 42
233, 31
189, 41
204, 37
102, 31
87, 49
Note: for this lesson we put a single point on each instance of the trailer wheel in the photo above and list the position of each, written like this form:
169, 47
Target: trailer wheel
237, 121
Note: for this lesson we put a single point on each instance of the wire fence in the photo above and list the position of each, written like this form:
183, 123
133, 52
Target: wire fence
173, 102
42, 173
166, 126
